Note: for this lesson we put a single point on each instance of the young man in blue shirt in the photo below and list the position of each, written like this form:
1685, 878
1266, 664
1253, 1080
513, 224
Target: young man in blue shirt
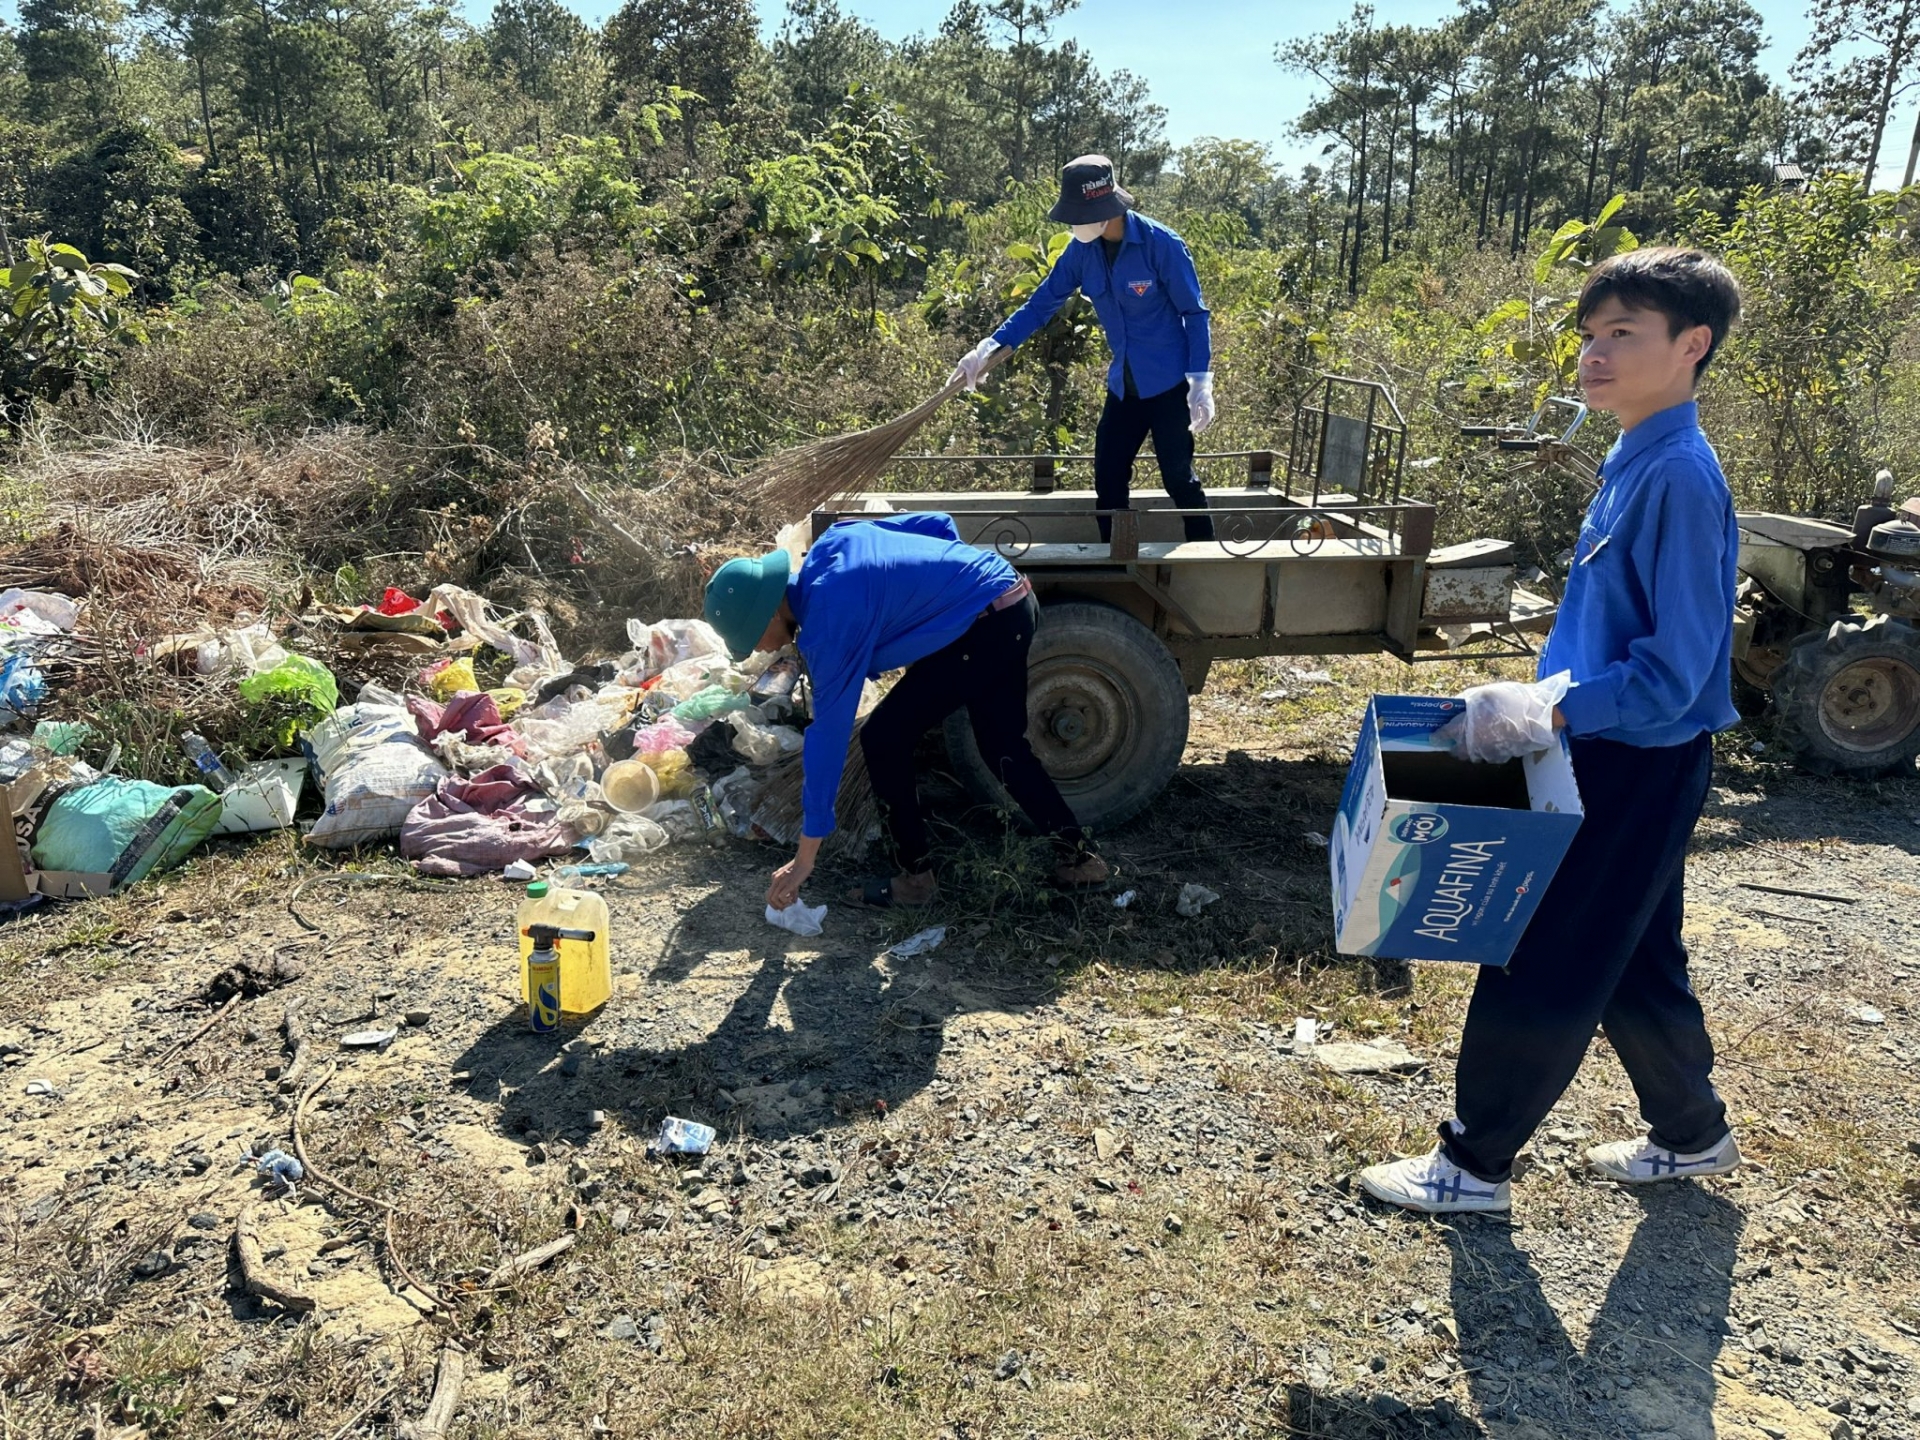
873, 596
1636, 673
1140, 278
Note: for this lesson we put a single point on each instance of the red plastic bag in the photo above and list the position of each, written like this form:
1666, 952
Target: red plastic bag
397, 602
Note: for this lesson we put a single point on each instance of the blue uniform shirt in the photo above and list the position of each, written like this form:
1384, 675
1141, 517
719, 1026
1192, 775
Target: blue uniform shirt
872, 596
1148, 301
1646, 626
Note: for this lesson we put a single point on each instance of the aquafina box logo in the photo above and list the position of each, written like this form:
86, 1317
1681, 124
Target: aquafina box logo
1421, 828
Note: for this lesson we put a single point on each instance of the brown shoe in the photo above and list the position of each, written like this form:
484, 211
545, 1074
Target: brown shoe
1087, 873
908, 892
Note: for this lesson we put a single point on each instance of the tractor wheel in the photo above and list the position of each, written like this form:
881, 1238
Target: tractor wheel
1106, 714
1848, 700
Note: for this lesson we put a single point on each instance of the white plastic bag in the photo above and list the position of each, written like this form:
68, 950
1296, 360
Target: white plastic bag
799, 917
759, 744
627, 838
667, 643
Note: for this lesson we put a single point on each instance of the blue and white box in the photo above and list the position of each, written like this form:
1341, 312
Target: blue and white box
1435, 857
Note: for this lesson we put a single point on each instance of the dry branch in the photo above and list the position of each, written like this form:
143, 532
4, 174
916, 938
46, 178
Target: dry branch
446, 1397
531, 1260
293, 1026
253, 1272
321, 1177
181, 1049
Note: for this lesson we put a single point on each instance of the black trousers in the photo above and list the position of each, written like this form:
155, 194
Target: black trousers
986, 671
1604, 949
1125, 423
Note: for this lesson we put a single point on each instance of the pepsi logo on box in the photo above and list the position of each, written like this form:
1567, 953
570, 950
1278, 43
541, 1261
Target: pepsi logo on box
1435, 857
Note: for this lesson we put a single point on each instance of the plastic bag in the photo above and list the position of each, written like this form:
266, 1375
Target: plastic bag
667, 643
58, 612
762, 744
628, 838
664, 735
372, 767
473, 614
711, 702
560, 729
673, 770
443, 682
734, 797
126, 829
300, 684
22, 688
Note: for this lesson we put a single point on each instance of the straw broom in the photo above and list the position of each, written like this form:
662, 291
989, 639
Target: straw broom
798, 481
855, 809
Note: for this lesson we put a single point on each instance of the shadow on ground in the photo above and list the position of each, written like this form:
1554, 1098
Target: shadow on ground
794, 1036
1648, 1363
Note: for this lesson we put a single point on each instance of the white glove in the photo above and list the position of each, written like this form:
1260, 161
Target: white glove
1506, 719
973, 364
1200, 400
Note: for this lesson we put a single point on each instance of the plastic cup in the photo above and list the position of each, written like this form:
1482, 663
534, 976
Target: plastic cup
630, 786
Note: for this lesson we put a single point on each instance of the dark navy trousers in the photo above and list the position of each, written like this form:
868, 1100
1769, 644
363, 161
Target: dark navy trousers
1604, 950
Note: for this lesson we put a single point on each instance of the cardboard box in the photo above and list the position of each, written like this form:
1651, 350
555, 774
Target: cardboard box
1435, 857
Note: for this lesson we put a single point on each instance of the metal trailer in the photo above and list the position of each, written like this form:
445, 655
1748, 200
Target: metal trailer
1318, 552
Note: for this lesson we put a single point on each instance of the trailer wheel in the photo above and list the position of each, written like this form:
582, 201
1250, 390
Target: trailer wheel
1848, 700
1106, 714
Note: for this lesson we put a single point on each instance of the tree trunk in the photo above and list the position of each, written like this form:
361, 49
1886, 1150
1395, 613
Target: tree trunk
1413, 167
1386, 189
1898, 53
1913, 154
1359, 205
1593, 151
206, 109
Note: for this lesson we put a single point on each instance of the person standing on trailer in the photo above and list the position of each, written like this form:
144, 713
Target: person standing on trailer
1140, 279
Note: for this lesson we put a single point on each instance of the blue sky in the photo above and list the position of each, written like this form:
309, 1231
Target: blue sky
1212, 65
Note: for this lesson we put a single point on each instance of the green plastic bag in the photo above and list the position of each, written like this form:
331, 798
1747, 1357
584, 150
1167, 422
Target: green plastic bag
707, 703
124, 828
301, 689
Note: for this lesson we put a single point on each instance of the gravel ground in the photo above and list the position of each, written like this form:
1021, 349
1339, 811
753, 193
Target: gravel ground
1065, 1174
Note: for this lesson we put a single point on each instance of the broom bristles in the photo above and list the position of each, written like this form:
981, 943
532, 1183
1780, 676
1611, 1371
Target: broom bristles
798, 481
779, 812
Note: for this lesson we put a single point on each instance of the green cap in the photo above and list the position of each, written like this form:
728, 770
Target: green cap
742, 597
537, 889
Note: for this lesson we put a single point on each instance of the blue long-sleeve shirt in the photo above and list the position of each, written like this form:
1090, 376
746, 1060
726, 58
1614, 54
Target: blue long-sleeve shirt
872, 596
1646, 626
1148, 301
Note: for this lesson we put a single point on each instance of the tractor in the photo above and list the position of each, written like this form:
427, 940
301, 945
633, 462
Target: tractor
1823, 622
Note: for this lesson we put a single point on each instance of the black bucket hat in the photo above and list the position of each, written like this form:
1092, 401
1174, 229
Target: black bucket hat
1088, 192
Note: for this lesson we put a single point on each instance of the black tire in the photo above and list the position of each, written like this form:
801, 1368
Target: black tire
1848, 700
1106, 714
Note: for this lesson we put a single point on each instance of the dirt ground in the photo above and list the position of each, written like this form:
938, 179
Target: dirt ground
1064, 1175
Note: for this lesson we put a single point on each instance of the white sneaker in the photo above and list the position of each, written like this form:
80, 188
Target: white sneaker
1641, 1162
1434, 1184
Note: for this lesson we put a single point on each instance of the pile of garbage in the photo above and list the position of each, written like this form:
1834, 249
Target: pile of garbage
493, 752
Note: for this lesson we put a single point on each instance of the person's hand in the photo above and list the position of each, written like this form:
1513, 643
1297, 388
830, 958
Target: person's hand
787, 881
1505, 720
1200, 408
973, 364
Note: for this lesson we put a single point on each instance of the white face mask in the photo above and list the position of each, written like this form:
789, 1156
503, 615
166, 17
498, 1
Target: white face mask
1087, 234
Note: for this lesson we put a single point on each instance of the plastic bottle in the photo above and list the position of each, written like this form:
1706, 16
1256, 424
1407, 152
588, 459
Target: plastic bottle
574, 872
213, 774
586, 966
